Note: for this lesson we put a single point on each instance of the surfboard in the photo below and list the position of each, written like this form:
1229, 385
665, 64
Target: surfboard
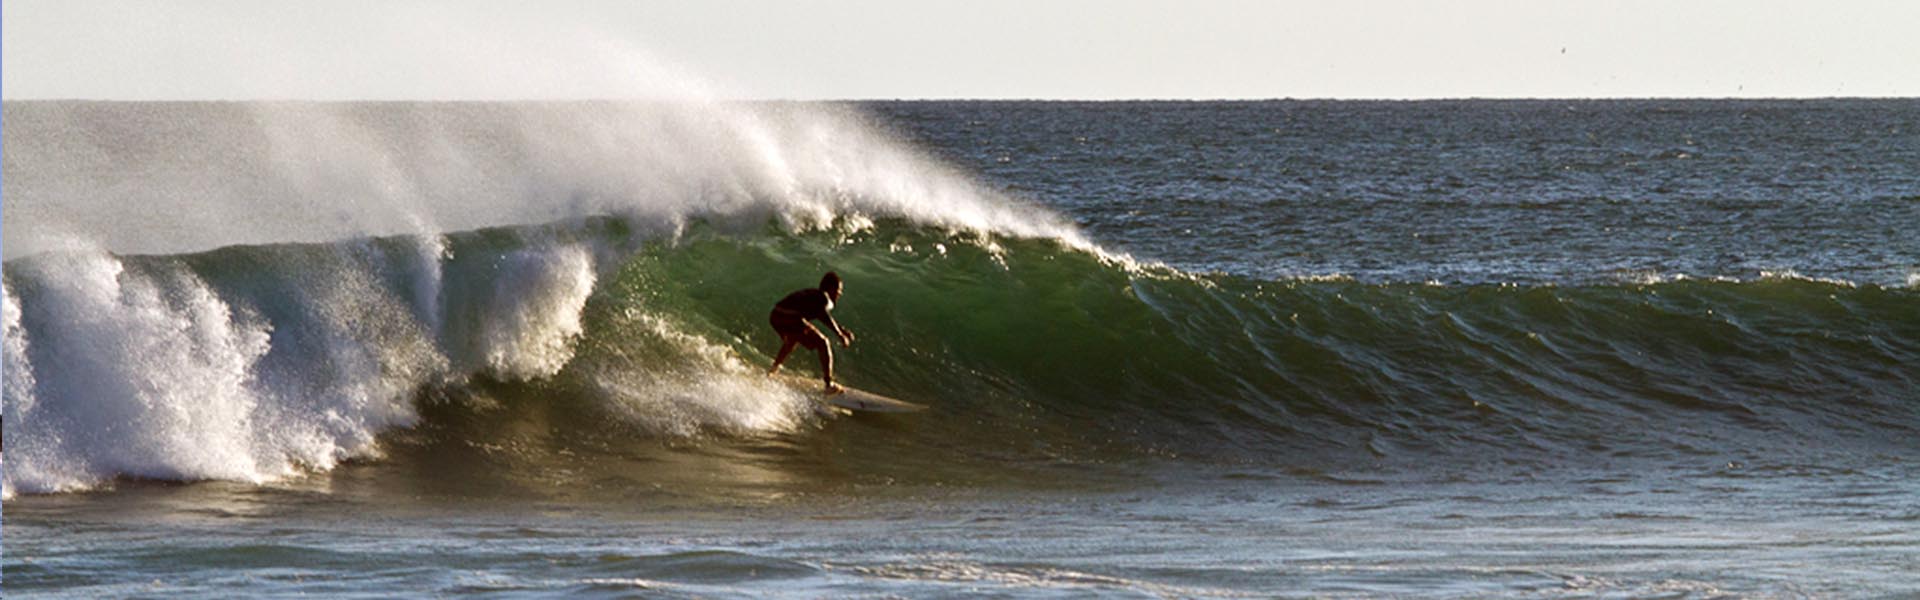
853, 399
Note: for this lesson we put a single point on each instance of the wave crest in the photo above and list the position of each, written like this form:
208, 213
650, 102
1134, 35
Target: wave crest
248, 363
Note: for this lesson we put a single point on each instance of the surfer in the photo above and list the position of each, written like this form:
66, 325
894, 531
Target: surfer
790, 317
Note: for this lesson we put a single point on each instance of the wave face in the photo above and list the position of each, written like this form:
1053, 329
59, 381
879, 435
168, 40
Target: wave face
1077, 347
249, 363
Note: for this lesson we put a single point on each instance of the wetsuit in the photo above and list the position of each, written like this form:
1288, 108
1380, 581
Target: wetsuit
791, 313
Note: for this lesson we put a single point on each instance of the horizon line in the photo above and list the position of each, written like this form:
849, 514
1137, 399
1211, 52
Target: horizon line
978, 99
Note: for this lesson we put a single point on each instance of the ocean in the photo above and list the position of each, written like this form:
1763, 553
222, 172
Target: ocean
1434, 349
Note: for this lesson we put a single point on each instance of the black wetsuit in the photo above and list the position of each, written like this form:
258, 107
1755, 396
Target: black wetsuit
791, 313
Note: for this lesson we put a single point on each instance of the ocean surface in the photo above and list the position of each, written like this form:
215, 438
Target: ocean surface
1446, 349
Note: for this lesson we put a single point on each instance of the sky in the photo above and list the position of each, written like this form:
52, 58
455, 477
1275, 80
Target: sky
877, 49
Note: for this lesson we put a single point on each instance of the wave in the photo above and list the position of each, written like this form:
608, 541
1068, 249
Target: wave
250, 363
177, 307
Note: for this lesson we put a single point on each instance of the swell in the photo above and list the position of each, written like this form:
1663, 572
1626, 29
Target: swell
250, 363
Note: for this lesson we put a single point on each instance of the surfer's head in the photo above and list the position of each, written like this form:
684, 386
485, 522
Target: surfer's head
830, 283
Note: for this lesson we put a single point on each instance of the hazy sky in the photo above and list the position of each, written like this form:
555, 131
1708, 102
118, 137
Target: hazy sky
957, 49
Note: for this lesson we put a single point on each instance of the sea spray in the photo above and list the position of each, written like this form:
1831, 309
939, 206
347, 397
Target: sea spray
428, 279
349, 352
220, 174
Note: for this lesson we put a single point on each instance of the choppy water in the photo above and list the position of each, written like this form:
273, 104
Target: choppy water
1712, 533
1447, 349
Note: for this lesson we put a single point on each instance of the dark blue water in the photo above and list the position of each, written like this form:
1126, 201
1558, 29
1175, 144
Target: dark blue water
1542, 191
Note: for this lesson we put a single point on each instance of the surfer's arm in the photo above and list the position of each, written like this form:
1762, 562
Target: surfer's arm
846, 335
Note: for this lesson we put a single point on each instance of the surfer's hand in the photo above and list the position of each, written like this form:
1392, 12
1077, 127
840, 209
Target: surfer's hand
846, 337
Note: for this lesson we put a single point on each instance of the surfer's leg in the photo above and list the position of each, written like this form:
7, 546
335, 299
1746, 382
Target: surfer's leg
786, 348
815, 341
792, 331
826, 367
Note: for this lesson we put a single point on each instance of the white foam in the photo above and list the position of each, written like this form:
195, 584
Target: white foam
1648, 277
1792, 275
534, 311
15, 372
115, 369
685, 385
18, 374
152, 380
